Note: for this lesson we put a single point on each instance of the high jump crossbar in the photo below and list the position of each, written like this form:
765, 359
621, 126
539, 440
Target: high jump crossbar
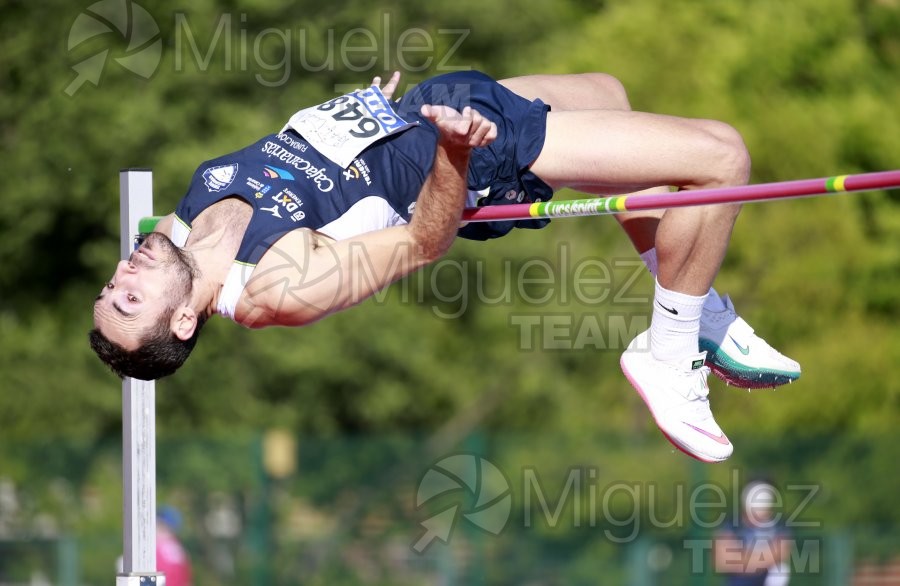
599, 206
138, 416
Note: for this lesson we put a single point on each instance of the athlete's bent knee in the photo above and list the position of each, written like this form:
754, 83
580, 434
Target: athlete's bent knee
611, 88
732, 158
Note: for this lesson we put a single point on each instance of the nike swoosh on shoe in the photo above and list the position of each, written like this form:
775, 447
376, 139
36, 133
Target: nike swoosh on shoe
745, 350
721, 439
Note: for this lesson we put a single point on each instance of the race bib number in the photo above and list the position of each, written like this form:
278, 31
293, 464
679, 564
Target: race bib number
344, 127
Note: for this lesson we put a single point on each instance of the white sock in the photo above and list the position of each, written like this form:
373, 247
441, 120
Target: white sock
675, 328
713, 300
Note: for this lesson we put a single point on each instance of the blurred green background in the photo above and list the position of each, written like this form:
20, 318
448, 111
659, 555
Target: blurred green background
373, 397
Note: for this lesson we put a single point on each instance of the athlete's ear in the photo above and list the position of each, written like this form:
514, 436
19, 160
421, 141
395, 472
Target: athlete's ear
184, 322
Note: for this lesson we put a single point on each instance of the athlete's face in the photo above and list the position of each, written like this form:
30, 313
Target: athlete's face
145, 287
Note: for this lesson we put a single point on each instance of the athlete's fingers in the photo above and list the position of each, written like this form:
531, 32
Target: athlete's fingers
465, 123
476, 131
491, 136
481, 129
478, 137
439, 113
484, 134
430, 112
490, 132
391, 85
455, 127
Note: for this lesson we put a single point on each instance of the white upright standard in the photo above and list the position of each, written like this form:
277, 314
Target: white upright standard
138, 417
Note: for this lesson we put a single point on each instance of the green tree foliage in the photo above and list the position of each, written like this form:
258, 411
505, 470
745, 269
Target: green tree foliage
813, 85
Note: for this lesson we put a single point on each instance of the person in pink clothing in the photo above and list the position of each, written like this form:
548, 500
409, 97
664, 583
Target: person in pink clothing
171, 557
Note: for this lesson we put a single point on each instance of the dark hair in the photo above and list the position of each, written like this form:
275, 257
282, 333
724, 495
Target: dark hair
160, 354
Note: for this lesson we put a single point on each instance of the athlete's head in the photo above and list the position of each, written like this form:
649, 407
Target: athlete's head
144, 325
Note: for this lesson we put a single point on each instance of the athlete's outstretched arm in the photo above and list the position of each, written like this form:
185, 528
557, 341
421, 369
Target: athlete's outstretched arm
442, 199
323, 277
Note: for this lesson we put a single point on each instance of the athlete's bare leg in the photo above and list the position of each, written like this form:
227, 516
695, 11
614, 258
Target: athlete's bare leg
598, 151
591, 91
604, 151
609, 149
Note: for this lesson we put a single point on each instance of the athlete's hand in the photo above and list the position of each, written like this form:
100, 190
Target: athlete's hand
468, 129
388, 89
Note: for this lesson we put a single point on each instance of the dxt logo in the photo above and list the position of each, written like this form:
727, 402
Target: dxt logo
289, 202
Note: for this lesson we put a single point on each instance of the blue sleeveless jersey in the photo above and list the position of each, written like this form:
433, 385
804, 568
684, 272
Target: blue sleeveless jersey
290, 185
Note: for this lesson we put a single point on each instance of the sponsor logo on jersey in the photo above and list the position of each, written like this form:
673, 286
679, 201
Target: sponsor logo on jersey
358, 169
289, 202
219, 178
276, 173
286, 194
260, 188
317, 175
292, 142
272, 210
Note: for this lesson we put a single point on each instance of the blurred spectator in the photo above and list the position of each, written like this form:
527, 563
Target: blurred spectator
755, 549
171, 557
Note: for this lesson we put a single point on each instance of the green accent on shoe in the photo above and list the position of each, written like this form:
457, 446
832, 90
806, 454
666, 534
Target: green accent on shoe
745, 350
741, 375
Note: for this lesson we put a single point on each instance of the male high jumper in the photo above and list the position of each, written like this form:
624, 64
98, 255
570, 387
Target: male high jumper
274, 234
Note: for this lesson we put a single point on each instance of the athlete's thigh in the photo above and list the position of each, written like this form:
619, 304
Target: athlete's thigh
613, 151
576, 91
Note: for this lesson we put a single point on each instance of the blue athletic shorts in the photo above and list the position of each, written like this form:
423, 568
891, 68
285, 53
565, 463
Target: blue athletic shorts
501, 168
